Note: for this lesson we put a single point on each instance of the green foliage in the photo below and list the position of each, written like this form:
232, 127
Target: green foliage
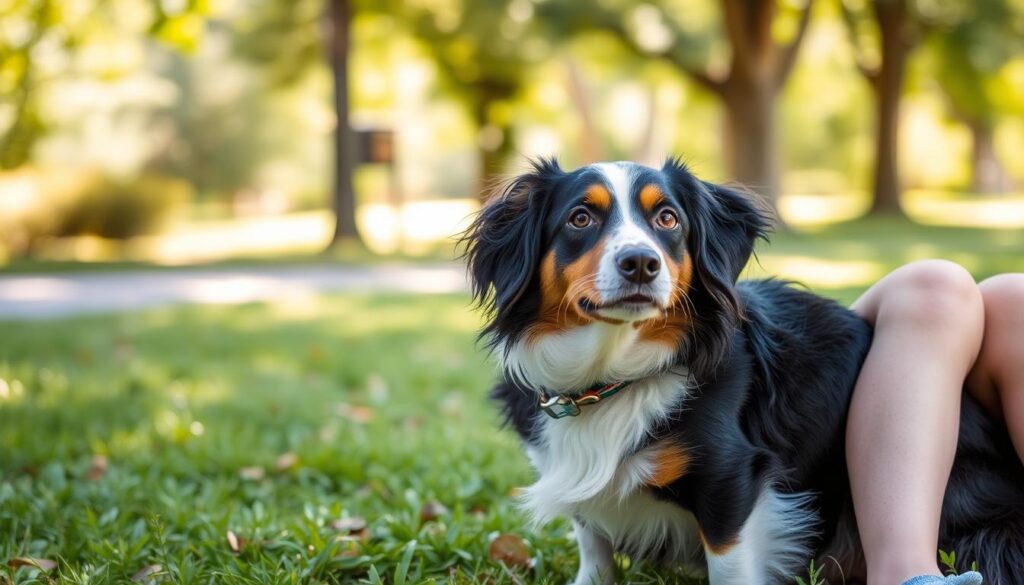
95, 205
40, 38
120, 209
813, 576
968, 55
484, 51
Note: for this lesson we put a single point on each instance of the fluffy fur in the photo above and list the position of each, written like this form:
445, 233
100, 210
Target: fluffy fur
730, 438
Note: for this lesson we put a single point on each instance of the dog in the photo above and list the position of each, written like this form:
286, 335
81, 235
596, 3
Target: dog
678, 415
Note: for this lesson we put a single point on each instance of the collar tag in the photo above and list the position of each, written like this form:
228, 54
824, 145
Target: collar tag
558, 406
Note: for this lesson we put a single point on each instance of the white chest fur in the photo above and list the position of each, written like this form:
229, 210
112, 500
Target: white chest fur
588, 468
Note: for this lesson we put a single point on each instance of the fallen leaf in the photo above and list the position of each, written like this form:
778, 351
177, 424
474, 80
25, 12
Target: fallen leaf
286, 461
353, 528
432, 510
255, 473
145, 573
45, 565
233, 542
97, 467
510, 550
349, 525
356, 414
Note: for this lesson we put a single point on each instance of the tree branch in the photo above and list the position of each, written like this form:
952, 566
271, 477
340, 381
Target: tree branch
737, 31
699, 75
850, 20
788, 53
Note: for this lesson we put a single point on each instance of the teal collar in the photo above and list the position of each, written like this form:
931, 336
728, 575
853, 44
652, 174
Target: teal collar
559, 406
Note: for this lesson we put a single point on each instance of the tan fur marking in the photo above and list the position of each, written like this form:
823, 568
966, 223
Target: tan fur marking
650, 196
670, 463
598, 196
719, 549
561, 291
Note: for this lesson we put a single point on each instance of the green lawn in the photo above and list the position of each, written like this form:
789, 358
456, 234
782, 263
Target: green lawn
273, 423
229, 444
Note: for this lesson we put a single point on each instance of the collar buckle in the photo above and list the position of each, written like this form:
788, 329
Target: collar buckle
559, 406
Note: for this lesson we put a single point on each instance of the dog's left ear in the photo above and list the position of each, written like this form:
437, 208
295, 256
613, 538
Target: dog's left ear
732, 223
724, 225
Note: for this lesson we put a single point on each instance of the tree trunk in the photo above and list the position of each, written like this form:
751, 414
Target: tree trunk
887, 85
492, 165
339, 18
750, 143
987, 172
591, 146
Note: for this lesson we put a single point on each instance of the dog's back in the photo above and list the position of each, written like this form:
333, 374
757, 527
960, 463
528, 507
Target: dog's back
808, 351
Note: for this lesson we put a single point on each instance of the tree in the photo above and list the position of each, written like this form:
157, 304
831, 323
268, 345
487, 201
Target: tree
484, 51
49, 24
968, 57
757, 67
897, 28
290, 37
338, 32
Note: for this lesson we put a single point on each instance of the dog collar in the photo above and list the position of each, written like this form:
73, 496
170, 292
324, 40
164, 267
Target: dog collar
559, 406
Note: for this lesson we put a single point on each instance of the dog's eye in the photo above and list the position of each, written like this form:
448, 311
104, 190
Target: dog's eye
667, 219
580, 218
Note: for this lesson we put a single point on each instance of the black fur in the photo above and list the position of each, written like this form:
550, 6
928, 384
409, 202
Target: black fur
774, 369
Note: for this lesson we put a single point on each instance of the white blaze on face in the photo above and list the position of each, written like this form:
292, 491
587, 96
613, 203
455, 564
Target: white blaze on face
627, 232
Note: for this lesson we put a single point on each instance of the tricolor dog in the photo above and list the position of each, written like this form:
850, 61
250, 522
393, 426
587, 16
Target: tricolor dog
675, 414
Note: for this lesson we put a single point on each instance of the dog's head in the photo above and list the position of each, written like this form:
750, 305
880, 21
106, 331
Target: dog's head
657, 251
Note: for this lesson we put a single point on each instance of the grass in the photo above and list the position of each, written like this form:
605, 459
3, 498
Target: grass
144, 439
248, 444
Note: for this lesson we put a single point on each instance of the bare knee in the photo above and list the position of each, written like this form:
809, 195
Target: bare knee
1004, 314
1004, 296
936, 294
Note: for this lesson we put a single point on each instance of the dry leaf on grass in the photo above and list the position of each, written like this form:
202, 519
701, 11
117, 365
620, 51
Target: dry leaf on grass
45, 565
286, 461
349, 525
97, 467
254, 473
352, 528
356, 414
145, 573
510, 550
432, 510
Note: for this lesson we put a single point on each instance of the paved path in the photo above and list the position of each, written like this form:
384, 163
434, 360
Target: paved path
32, 296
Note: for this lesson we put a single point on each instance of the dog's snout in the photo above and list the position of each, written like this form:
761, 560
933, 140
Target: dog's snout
638, 264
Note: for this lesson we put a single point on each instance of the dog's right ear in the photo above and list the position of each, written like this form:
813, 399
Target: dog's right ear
503, 243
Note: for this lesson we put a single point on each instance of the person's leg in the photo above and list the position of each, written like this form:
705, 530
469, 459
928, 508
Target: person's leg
997, 380
904, 416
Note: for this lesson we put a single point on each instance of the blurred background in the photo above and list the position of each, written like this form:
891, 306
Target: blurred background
190, 131
235, 342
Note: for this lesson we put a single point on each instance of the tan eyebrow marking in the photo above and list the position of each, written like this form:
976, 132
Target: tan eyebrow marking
598, 196
650, 196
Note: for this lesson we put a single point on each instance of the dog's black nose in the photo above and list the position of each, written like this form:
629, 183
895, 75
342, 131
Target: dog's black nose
638, 264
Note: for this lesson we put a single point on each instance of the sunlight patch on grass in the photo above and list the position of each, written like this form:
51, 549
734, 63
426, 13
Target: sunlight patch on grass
994, 212
817, 210
815, 272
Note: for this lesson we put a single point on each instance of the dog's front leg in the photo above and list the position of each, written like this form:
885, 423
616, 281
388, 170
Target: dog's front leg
760, 544
597, 564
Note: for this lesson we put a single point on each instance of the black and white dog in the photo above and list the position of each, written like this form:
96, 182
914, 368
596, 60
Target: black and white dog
673, 413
